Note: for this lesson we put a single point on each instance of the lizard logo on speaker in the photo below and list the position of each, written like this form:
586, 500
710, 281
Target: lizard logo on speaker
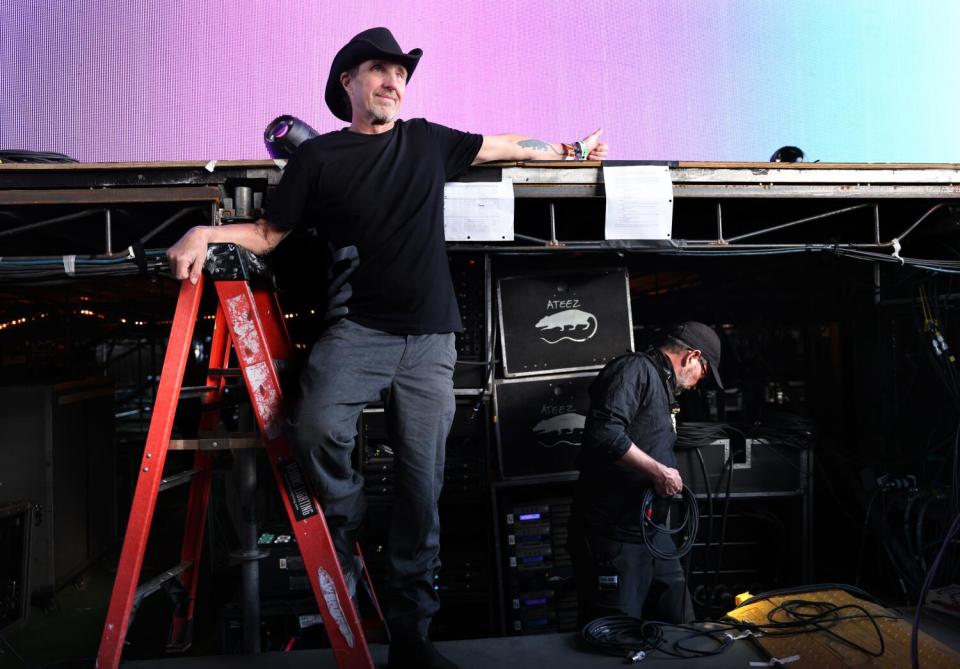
571, 324
565, 429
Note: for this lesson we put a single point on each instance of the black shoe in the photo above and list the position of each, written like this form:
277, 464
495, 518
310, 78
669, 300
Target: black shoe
417, 654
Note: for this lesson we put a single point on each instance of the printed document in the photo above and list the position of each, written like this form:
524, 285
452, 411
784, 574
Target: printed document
639, 202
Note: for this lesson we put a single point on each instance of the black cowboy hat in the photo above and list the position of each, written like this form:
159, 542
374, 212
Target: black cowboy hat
370, 44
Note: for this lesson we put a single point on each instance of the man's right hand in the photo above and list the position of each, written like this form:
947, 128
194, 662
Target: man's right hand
188, 255
667, 482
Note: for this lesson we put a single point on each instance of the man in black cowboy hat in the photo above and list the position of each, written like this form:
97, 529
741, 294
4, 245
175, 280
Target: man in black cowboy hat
375, 189
627, 448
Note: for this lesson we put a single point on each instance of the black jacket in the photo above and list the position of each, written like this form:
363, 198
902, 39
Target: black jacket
631, 400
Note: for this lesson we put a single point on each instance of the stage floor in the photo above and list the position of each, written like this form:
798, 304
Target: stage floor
544, 651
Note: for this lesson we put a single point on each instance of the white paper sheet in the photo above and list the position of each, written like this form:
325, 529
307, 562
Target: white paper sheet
478, 211
639, 202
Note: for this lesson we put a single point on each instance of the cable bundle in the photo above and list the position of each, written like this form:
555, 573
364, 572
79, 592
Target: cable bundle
696, 434
785, 429
26, 156
690, 523
33, 268
634, 639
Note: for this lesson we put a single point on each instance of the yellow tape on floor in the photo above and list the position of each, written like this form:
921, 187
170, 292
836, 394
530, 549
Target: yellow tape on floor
818, 649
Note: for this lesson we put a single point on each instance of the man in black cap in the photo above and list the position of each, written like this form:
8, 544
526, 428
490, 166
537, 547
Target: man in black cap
375, 190
627, 448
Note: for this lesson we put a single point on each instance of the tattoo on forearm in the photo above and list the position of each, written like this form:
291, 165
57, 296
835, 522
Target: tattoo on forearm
538, 145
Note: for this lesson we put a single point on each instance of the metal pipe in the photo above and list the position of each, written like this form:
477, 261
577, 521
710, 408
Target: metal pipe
876, 265
553, 226
245, 477
918, 222
876, 224
797, 222
109, 231
242, 201
719, 223
50, 221
180, 214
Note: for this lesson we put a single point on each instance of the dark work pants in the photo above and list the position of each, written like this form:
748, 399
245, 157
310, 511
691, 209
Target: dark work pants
622, 578
349, 367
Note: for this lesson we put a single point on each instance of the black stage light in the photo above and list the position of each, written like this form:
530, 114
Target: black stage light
284, 134
787, 154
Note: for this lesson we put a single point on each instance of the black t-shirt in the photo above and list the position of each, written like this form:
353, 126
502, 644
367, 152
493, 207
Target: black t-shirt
378, 201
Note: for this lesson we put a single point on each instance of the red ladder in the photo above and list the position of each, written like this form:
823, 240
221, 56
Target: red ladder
249, 321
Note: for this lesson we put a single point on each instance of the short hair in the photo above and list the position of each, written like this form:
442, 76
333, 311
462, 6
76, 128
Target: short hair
352, 73
672, 345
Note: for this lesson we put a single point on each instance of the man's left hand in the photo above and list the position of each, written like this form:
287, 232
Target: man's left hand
596, 150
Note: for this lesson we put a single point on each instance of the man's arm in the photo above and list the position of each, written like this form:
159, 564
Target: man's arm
189, 253
615, 399
666, 480
518, 147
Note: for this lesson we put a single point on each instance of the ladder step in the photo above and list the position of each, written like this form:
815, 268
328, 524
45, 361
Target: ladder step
178, 479
217, 443
225, 371
155, 583
195, 391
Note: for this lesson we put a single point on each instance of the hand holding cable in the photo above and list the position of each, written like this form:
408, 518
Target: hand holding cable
667, 481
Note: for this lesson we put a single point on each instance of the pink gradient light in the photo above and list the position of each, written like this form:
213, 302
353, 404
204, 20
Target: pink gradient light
112, 80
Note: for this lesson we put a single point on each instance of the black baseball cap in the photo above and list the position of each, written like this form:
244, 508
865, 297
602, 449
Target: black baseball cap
702, 338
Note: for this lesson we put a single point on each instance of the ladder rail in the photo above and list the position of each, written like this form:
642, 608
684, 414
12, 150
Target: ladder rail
151, 473
255, 340
181, 627
250, 324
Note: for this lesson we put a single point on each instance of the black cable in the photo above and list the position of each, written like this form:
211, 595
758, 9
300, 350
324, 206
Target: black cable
690, 522
710, 515
27, 156
863, 535
682, 651
723, 520
927, 582
821, 621
686, 586
912, 548
816, 587
622, 636
632, 638
921, 518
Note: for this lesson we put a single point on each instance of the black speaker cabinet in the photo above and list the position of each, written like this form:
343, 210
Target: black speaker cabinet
58, 453
563, 322
540, 423
759, 468
16, 521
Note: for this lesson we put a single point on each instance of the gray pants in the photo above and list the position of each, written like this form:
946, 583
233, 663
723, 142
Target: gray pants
349, 367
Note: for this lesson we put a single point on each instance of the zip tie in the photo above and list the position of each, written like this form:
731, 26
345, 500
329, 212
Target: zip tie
746, 634
896, 249
776, 661
210, 166
70, 264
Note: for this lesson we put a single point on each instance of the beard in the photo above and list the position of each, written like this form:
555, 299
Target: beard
381, 114
687, 378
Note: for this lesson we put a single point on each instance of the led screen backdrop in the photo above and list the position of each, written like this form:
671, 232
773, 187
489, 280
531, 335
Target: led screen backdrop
846, 80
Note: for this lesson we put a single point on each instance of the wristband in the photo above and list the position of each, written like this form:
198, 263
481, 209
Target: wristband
580, 150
